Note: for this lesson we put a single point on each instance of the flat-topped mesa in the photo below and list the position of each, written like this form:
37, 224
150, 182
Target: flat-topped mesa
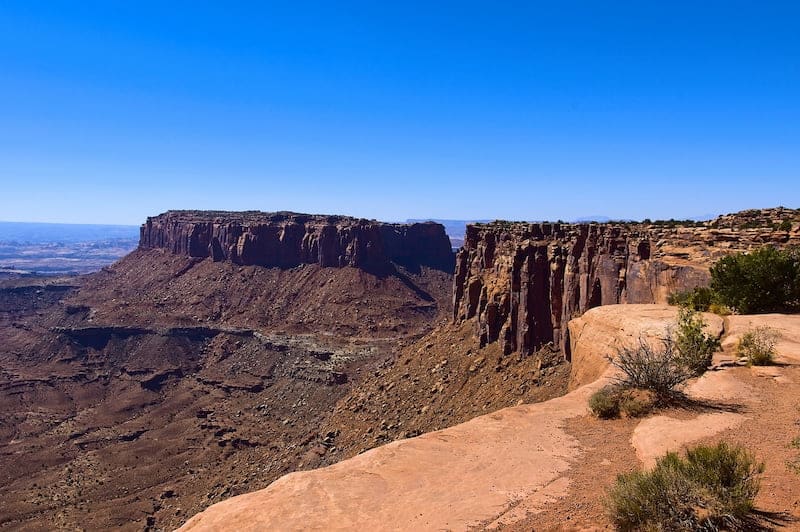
523, 282
287, 239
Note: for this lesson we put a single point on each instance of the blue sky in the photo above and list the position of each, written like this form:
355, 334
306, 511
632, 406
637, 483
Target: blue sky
113, 111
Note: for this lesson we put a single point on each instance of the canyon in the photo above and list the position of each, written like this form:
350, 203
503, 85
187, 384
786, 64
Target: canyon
231, 349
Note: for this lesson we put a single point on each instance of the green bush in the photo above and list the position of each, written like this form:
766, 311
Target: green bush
695, 347
794, 463
785, 225
699, 298
765, 280
611, 401
712, 488
637, 403
758, 346
719, 309
605, 403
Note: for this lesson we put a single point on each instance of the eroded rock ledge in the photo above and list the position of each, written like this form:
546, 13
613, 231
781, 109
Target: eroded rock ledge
525, 281
286, 239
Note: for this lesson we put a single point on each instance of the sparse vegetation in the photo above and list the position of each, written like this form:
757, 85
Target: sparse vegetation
785, 225
604, 403
765, 280
794, 464
637, 403
673, 223
695, 347
647, 367
652, 370
758, 346
699, 298
712, 488
612, 401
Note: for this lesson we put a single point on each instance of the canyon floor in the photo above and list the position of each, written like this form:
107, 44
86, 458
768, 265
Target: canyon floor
136, 397
546, 466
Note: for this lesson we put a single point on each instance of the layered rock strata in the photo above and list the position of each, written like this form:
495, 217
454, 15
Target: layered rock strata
286, 239
523, 282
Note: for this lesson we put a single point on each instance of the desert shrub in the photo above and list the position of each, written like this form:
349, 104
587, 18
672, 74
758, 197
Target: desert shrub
785, 225
637, 403
695, 347
758, 346
765, 280
648, 367
794, 463
605, 403
711, 488
698, 298
719, 309
611, 401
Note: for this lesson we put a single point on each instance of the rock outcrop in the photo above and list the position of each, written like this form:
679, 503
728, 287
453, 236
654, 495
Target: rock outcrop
525, 281
286, 239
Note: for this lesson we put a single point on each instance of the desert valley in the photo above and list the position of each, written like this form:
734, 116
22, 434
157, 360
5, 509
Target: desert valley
283, 371
399, 266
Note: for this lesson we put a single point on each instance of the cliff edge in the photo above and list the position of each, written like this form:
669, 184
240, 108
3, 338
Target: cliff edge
287, 239
523, 282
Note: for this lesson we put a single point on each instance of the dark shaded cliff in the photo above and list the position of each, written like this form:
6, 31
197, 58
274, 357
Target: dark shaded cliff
286, 239
523, 282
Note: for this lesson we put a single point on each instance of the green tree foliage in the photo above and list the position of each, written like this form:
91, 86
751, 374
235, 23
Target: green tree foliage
695, 347
700, 298
765, 280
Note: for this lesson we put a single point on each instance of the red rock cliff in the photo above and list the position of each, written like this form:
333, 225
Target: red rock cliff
286, 239
523, 282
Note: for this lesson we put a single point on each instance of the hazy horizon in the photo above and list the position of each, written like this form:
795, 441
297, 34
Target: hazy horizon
596, 217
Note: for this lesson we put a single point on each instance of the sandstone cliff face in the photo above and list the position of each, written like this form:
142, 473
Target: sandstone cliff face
524, 282
287, 239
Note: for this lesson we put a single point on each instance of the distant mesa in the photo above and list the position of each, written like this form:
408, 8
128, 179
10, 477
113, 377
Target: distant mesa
288, 239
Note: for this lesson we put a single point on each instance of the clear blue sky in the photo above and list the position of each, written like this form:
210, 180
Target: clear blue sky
112, 111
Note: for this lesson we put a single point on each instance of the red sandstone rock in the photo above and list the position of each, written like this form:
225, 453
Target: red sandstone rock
286, 239
525, 281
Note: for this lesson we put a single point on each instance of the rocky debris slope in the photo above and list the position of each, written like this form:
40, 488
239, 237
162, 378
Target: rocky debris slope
444, 379
120, 426
538, 466
153, 287
512, 460
286, 239
523, 282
